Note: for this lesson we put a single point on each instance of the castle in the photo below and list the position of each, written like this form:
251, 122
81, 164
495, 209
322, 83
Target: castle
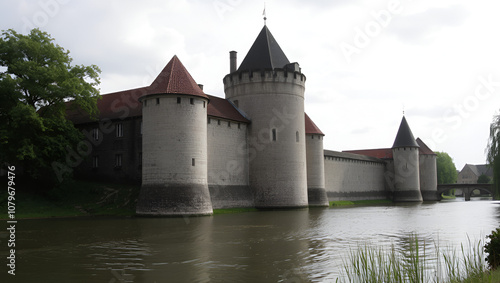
193, 152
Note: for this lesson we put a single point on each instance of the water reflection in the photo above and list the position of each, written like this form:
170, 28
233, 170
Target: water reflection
271, 246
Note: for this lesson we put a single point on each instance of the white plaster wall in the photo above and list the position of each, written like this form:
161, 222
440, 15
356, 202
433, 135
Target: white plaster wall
174, 134
227, 153
354, 179
315, 161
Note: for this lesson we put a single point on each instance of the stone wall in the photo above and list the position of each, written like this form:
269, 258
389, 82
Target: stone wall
354, 177
228, 164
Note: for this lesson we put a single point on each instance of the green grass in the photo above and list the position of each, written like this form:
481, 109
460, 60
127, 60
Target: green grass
233, 210
75, 198
359, 202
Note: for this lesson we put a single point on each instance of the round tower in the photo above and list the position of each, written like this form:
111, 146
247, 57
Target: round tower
406, 165
316, 192
174, 146
270, 91
428, 172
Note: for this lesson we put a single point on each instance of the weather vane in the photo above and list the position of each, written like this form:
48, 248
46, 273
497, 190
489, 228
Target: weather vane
264, 13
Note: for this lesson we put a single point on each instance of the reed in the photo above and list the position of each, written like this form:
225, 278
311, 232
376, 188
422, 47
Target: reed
412, 263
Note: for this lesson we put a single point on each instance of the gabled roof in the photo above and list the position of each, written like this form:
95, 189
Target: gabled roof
424, 149
175, 79
404, 138
311, 128
222, 108
265, 53
479, 169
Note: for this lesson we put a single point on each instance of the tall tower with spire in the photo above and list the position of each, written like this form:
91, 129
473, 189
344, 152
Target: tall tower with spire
270, 90
406, 165
174, 148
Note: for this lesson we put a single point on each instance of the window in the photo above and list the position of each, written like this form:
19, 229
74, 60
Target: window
119, 130
95, 134
95, 161
140, 128
218, 122
274, 134
157, 100
178, 100
239, 126
208, 120
145, 103
204, 104
192, 162
297, 136
229, 124
118, 160
191, 100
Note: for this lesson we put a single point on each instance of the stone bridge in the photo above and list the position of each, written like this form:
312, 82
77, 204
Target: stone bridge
467, 189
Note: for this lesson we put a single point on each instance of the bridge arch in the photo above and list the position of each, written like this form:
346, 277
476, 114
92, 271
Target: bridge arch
467, 189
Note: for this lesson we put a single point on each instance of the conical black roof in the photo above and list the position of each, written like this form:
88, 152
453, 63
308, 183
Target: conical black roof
265, 53
404, 138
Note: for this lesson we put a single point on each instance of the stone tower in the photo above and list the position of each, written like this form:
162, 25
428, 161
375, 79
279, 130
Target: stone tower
406, 165
270, 91
174, 149
428, 172
316, 191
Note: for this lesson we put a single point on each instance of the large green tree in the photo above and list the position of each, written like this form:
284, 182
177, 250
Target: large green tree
446, 170
493, 153
36, 80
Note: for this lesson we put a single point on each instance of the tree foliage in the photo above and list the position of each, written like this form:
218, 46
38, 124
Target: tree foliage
493, 153
446, 170
483, 179
36, 81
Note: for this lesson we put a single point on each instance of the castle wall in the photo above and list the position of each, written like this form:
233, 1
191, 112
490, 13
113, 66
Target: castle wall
354, 177
428, 177
228, 179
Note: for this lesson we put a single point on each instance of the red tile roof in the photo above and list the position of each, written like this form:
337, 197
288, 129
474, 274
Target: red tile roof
311, 128
222, 108
424, 149
174, 78
382, 153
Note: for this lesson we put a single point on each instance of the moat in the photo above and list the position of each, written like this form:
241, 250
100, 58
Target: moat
267, 246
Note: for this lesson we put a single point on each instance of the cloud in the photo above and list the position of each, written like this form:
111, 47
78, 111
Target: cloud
424, 26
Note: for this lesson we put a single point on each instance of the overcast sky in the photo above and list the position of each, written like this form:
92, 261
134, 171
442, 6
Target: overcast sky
365, 61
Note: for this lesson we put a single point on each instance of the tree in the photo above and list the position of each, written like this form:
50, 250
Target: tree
483, 179
493, 153
446, 170
36, 81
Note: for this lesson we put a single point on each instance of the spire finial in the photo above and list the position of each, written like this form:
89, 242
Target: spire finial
403, 109
264, 13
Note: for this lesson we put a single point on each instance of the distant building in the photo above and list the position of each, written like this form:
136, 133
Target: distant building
470, 173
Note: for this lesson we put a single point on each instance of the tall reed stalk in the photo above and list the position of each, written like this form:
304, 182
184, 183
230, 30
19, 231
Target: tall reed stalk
369, 264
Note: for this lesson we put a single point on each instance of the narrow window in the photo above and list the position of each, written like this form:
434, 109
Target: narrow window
145, 103
208, 120
297, 136
218, 122
229, 124
119, 130
118, 160
157, 100
312, 137
178, 100
191, 100
95, 134
204, 104
192, 161
239, 126
95, 162
274, 134
140, 128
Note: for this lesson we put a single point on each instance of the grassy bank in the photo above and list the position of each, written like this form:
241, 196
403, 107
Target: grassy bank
75, 198
359, 202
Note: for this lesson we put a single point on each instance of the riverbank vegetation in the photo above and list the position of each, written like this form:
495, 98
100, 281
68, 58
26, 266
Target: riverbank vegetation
413, 264
359, 202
